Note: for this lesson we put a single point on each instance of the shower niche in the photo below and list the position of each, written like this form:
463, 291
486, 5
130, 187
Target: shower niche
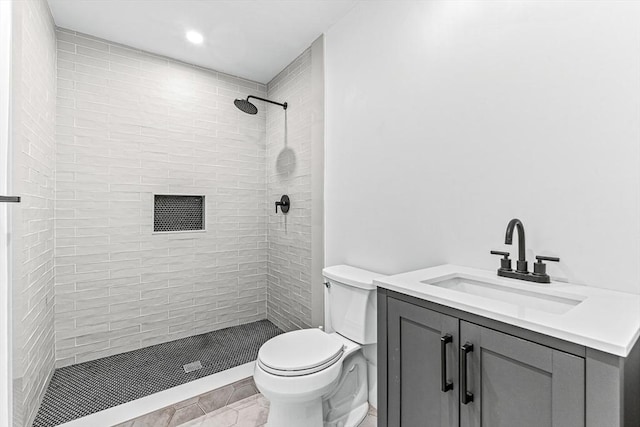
174, 213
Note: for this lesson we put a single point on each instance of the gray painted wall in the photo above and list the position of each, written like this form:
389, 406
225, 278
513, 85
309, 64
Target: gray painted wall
430, 169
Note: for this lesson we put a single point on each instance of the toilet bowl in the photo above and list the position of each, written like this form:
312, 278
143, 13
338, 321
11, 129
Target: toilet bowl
314, 378
296, 370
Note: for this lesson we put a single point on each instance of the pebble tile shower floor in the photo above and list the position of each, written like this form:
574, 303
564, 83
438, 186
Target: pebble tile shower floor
83, 389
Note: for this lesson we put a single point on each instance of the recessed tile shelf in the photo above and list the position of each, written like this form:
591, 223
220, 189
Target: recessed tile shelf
177, 213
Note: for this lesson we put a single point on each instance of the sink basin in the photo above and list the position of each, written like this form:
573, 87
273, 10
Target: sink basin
521, 298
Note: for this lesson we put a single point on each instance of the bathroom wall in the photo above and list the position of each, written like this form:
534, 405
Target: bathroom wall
447, 119
131, 124
33, 141
294, 165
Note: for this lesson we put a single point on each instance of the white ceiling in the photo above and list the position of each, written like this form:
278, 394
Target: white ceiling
254, 39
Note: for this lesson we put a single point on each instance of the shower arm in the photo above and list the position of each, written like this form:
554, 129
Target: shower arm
269, 101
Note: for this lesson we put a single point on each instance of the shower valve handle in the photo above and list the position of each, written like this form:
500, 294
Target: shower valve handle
284, 204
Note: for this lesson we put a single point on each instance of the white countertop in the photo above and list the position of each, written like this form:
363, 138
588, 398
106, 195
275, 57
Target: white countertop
605, 320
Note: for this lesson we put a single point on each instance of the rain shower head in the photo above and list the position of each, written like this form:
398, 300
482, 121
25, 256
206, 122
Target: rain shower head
247, 107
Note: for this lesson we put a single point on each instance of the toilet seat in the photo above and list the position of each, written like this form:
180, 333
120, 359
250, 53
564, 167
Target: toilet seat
300, 353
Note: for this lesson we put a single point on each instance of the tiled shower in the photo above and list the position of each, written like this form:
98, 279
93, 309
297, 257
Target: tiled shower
105, 127
131, 125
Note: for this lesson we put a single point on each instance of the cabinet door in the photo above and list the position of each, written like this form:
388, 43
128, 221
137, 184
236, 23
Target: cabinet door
517, 383
416, 339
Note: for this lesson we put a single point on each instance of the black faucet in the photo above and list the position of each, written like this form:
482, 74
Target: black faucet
539, 274
521, 264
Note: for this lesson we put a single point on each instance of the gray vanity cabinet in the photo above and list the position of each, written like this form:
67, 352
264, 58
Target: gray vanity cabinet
517, 383
418, 338
444, 368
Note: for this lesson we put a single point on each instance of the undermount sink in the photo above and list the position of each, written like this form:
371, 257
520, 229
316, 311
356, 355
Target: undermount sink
521, 298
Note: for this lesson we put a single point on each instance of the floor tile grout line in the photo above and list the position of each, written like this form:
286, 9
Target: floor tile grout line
201, 408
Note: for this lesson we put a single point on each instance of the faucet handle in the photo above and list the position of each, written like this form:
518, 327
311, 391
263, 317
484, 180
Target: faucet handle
541, 258
540, 268
505, 263
504, 254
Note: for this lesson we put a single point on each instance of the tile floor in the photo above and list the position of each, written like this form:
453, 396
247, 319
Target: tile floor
86, 388
196, 407
236, 405
252, 412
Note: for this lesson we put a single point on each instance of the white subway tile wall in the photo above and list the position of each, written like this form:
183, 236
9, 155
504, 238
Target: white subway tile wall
33, 141
289, 172
130, 125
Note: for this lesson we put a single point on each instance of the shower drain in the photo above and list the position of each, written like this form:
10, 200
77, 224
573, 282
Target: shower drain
193, 366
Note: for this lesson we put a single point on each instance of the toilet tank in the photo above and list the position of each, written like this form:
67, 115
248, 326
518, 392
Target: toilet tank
350, 302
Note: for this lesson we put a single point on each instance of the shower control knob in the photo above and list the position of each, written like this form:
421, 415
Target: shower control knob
284, 204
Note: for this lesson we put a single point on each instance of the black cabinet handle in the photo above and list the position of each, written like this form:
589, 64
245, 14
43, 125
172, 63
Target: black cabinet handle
445, 385
465, 395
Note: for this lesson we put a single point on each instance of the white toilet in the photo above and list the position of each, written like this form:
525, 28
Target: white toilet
314, 378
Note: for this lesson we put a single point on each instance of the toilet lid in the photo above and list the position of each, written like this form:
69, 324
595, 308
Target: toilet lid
300, 352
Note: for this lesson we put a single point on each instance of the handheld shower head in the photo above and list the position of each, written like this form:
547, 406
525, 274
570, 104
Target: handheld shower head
247, 107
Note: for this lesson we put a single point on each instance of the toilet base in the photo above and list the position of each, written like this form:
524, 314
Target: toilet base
310, 415
303, 414
352, 419
347, 405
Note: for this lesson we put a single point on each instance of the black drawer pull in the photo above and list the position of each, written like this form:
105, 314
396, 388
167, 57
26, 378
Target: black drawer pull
465, 395
445, 385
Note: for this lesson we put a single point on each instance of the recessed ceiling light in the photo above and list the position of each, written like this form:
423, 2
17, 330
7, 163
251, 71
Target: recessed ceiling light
194, 37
